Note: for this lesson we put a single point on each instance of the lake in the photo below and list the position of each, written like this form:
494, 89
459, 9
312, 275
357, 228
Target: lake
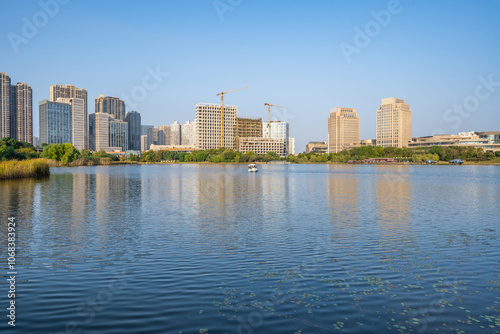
188, 248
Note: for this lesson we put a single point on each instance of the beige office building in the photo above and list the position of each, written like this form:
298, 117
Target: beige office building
262, 145
111, 105
22, 112
343, 129
394, 123
208, 126
4, 105
107, 133
70, 91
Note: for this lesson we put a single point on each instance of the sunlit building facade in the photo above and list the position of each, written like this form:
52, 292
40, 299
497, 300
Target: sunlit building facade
16, 110
110, 105
278, 130
394, 123
78, 121
107, 133
262, 145
343, 129
209, 126
70, 91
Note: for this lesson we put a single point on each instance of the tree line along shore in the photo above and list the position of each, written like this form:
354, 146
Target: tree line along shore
20, 159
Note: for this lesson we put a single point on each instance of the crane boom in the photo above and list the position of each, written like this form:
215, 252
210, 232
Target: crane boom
222, 111
230, 91
269, 105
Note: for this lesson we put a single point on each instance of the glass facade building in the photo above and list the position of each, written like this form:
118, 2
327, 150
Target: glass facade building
56, 122
133, 119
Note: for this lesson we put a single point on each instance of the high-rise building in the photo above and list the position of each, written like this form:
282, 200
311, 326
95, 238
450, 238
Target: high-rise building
247, 127
279, 130
110, 105
208, 126
152, 136
22, 112
78, 120
118, 134
291, 145
98, 131
394, 123
161, 135
4, 105
107, 133
56, 122
144, 129
144, 143
70, 91
343, 129
133, 119
16, 110
175, 133
188, 133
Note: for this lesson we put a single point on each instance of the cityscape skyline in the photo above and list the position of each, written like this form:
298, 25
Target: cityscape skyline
300, 61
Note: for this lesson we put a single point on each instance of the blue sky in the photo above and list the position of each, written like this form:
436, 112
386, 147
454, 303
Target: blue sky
432, 54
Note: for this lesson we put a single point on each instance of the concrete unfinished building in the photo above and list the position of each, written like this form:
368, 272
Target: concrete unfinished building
247, 127
208, 126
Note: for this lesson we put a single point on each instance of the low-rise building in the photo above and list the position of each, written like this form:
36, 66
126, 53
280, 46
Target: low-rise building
488, 141
177, 148
369, 142
261, 146
318, 147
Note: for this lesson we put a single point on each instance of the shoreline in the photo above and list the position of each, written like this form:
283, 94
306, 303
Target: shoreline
442, 163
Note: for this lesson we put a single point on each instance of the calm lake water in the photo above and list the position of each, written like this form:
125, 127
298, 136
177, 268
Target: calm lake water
291, 249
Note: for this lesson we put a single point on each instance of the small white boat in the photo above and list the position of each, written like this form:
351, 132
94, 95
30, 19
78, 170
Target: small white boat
252, 168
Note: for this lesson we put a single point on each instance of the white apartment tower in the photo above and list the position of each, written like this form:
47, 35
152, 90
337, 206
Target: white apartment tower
209, 123
175, 133
188, 133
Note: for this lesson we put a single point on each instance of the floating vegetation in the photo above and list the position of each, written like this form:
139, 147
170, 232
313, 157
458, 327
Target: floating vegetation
375, 291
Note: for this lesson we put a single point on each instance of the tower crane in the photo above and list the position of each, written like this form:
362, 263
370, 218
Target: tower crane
222, 111
269, 105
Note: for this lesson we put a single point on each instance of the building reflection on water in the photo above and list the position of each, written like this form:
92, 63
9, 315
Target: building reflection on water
393, 195
343, 192
17, 200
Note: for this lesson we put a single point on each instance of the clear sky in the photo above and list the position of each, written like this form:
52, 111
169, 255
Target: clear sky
307, 55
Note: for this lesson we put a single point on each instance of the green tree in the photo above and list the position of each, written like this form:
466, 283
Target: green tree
228, 155
201, 156
70, 153
61, 152
7, 152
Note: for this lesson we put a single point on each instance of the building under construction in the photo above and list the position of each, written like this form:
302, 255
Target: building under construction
247, 127
209, 123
